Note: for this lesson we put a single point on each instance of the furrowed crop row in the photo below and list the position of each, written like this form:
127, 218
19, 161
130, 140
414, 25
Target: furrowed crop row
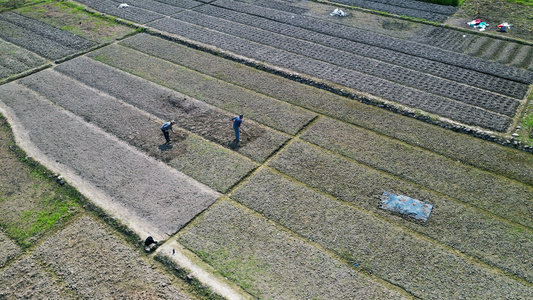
155, 100
152, 5
418, 99
383, 41
398, 10
188, 4
451, 223
213, 166
23, 56
408, 77
131, 13
32, 41
488, 156
487, 191
61, 37
419, 5
390, 252
465, 76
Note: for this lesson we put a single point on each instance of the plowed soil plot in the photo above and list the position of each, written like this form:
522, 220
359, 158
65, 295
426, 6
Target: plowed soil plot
411, 8
43, 39
411, 74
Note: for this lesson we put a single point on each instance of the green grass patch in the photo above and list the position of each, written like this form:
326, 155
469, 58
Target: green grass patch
75, 19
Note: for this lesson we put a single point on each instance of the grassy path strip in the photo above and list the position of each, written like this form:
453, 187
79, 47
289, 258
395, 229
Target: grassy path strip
88, 258
200, 118
357, 81
271, 112
270, 263
457, 74
136, 188
503, 197
353, 61
395, 255
458, 226
213, 165
474, 151
319, 20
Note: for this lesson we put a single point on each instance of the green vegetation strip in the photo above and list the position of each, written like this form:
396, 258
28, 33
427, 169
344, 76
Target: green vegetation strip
271, 112
75, 19
211, 164
196, 116
458, 226
270, 263
499, 195
486, 155
417, 265
31, 202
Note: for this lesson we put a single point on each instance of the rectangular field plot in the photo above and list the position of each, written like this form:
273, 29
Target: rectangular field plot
403, 258
404, 95
196, 116
489, 156
130, 13
271, 112
211, 164
89, 259
27, 276
131, 185
269, 263
452, 223
14, 59
501, 196
352, 60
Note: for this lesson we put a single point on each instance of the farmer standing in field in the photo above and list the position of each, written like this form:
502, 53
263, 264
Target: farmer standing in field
236, 124
165, 128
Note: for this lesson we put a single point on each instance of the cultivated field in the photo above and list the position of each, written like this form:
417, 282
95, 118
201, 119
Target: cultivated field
292, 211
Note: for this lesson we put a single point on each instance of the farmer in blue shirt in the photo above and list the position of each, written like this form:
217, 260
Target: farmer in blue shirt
166, 127
236, 124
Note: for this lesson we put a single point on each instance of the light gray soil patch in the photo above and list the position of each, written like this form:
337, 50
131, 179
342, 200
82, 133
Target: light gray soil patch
96, 264
471, 231
485, 155
205, 120
215, 166
26, 279
419, 266
500, 196
273, 113
149, 191
8, 251
271, 264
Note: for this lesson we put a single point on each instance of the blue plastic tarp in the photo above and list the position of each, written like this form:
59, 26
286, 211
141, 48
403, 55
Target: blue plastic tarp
405, 205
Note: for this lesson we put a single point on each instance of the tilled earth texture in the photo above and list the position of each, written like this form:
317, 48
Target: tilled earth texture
292, 211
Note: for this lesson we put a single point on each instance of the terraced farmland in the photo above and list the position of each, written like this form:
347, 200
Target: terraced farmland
292, 211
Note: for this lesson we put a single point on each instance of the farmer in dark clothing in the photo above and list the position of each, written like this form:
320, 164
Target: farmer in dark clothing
165, 128
236, 124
